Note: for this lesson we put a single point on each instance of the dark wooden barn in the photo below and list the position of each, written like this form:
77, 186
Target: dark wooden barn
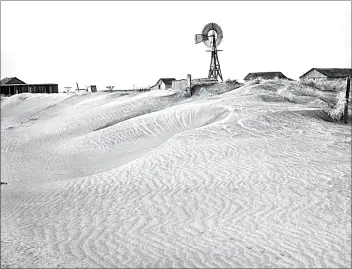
326, 74
11, 86
265, 76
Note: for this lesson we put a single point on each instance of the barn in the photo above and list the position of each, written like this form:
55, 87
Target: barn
13, 85
265, 76
326, 74
163, 84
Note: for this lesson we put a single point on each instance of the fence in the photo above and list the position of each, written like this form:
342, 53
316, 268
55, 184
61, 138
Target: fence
182, 83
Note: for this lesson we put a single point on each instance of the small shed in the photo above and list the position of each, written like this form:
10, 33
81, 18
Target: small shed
182, 83
13, 85
163, 84
265, 76
326, 74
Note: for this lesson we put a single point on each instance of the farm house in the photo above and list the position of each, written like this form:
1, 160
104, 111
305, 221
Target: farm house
265, 76
326, 74
163, 84
13, 85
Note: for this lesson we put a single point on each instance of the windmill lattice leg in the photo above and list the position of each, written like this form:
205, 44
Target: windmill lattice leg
214, 70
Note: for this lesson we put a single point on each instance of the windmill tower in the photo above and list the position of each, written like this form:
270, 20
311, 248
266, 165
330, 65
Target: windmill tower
211, 36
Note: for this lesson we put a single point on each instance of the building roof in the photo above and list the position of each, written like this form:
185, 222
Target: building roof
167, 81
37, 84
332, 72
11, 80
265, 75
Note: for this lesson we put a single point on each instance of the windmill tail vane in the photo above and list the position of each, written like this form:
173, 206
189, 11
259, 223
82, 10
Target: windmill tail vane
198, 38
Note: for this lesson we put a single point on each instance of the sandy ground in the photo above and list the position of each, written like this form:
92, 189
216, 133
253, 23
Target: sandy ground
254, 177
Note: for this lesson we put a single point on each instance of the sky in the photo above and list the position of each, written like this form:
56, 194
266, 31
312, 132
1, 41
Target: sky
133, 44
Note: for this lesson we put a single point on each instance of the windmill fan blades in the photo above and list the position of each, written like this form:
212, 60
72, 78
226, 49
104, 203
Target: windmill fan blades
200, 38
213, 27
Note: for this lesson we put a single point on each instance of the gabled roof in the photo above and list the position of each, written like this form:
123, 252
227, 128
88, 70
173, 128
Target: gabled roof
11, 80
167, 81
332, 72
265, 75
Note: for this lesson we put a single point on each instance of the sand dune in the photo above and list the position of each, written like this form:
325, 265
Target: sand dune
255, 177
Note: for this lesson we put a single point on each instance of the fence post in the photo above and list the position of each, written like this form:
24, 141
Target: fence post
189, 84
347, 96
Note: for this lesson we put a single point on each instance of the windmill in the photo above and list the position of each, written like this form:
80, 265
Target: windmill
211, 36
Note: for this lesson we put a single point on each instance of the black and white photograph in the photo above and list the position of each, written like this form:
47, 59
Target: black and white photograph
176, 134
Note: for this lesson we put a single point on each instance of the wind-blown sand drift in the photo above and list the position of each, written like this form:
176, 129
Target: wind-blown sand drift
255, 177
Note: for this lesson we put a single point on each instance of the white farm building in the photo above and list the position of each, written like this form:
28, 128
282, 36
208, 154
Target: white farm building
163, 84
326, 74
